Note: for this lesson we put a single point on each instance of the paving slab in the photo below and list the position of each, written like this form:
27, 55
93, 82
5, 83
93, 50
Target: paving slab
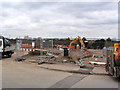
70, 68
97, 81
64, 67
99, 70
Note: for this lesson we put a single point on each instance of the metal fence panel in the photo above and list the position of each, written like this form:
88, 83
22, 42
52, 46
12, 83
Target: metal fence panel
35, 50
110, 60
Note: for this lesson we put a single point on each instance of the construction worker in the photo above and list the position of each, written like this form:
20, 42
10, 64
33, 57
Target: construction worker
78, 46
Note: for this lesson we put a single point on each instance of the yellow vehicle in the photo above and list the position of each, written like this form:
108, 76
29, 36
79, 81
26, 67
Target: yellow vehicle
76, 39
113, 60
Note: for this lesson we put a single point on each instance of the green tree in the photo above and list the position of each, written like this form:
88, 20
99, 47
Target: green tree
108, 42
84, 39
99, 44
108, 39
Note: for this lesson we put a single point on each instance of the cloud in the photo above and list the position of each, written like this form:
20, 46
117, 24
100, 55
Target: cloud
49, 19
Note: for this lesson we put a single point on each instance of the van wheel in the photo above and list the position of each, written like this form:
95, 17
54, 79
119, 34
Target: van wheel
9, 55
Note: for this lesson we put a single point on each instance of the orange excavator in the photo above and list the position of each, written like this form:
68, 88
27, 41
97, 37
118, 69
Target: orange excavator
76, 39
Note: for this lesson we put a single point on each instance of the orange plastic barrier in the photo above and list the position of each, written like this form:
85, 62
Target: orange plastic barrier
26, 45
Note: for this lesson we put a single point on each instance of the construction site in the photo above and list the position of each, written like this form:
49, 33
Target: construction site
75, 59
75, 53
62, 44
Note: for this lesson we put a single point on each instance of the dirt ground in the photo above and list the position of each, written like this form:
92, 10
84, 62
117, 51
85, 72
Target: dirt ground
74, 56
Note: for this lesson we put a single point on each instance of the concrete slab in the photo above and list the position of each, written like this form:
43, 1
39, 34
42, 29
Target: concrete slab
97, 81
64, 67
99, 70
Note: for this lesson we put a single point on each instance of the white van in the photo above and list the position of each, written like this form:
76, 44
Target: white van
5, 47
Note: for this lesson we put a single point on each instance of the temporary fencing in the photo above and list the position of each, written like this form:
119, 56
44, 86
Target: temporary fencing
34, 50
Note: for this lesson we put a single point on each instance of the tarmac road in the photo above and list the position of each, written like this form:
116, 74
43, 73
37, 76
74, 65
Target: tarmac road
25, 75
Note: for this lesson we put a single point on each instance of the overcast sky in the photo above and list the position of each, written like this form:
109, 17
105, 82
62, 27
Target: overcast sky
70, 19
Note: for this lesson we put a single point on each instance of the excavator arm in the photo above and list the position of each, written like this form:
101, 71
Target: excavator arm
73, 41
79, 38
81, 41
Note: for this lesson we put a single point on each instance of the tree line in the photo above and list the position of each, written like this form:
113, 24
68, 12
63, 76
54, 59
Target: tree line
98, 44
90, 44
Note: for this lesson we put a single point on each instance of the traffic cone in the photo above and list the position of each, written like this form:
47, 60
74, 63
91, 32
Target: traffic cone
95, 59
